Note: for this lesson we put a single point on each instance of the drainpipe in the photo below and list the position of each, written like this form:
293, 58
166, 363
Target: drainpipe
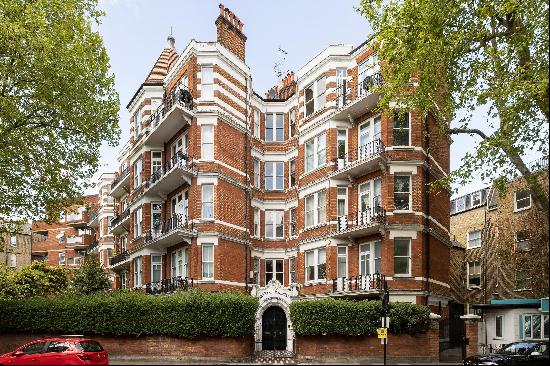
246, 196
427, 208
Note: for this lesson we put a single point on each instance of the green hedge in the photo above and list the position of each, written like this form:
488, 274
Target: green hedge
121, 313
352, 318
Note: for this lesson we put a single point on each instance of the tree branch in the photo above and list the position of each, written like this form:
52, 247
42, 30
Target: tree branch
456, 131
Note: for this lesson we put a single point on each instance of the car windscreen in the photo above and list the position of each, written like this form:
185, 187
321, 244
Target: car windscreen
520, 348
89, 346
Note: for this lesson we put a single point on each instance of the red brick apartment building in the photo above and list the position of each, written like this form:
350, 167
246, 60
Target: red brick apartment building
223, 189
81, 229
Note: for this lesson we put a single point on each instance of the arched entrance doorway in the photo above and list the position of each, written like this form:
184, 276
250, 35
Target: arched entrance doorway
274, 328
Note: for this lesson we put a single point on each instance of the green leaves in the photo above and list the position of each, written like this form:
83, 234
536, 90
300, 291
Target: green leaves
58, 104
352, 318
90, 277
122, 313
484, 57
38, 279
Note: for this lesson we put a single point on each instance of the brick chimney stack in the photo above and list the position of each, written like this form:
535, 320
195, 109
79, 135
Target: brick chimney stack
230, 32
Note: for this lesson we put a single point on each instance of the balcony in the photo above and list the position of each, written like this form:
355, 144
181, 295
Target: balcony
119, 260
92, 248
170, 232
360, 223
93, 220
349, 108
170, 116
359, 162
119, 224
175, 171
362, 285
79, 242
77, 219
169, 285
121, 184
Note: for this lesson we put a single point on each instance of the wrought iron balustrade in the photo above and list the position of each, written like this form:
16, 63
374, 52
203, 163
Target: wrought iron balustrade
118, 219
179, 95
169, 285
119, 258
371, 215
179, 159
178, 221
120, 177
366, 86
368, 282
362, 153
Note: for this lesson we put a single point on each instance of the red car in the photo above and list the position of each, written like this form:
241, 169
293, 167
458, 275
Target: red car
58, 351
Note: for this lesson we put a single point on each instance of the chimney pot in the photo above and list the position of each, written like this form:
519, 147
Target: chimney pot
221, 9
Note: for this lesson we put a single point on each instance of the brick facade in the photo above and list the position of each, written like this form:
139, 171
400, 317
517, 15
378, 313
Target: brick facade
194, 189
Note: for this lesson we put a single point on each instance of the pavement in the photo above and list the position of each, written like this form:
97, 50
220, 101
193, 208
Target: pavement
172, 360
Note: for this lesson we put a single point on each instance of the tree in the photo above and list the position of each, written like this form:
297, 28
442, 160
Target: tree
449, 58
38, 279
90, 277
58, 104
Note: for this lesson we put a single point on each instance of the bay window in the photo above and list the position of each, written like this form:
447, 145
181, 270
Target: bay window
274, 127
274, 176
315, 264
207, 83
402, 256
402, 192
207, 139
274, 224
208, 201
315, 205
256, 173
315, 152
138, 223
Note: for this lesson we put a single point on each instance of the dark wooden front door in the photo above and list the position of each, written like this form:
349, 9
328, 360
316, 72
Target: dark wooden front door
274, 329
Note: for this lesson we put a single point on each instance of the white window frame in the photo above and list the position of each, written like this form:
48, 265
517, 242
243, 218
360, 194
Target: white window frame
292, 122
497, 336
469, 239
156, 211
316, 263
256, 173
271, 217
531, 315
291, 163
274, 126
62, 259
156, 266
318, 151
403, 192
345, 143
11, 260
319, 208
292, 219
526, 240
369, 67
207, 83
138, 222
138, 173
468, 275
409, 256
206, 201
339, 256
256, 123
370, 248
317, 93
256, 222
342, 197
207, 146
274, 272
516, 209
138, 272
180, 145
156, 162
207, 262
274, 176
408, 128
13, 241
292, 273
176, 256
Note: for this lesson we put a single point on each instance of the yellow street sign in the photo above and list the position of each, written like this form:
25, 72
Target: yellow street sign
382, 333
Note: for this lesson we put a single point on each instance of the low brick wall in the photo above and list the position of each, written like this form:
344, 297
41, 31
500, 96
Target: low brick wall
421, 348
215, 347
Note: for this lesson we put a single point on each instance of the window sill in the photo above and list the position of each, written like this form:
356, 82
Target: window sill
276, 142
315, 282
274, 239
522, 289
470, 288
402, 276
402, 147
207, 280
403, 211
468, 248
326, 164
521, 209
313, 227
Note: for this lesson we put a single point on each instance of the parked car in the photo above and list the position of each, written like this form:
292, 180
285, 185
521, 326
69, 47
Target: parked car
517, 353
58, 351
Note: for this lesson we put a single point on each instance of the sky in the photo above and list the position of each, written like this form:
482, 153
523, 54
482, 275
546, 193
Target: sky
134, 33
